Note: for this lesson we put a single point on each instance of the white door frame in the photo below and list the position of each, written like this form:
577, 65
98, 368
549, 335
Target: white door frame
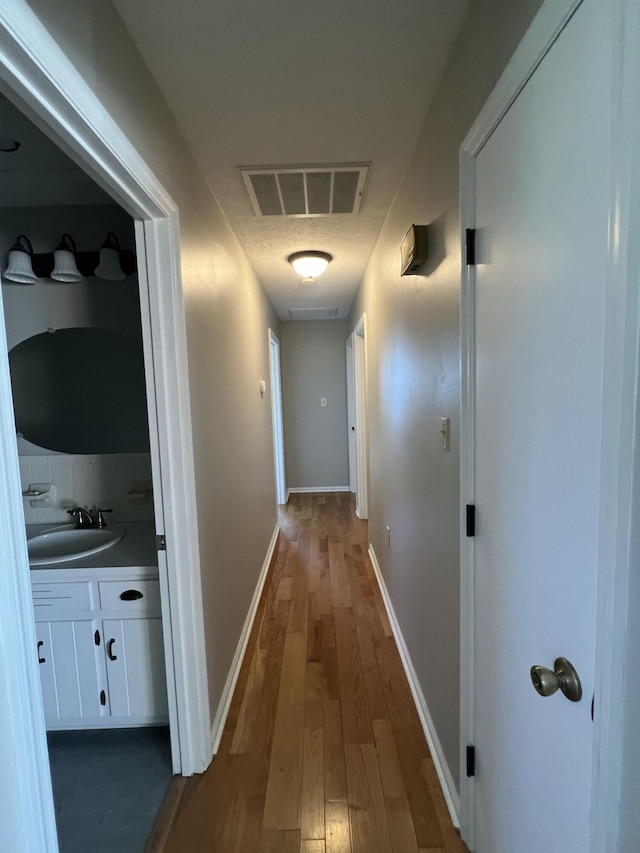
621, 376
362, 432
351, 417
34, 70
276, 416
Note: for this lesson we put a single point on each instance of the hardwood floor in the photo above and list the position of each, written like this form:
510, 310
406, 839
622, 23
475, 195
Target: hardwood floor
322, 751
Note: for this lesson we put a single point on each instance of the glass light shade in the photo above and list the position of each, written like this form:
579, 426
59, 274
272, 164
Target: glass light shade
64, 261
109, 267
309, 264
19, 268
64, 267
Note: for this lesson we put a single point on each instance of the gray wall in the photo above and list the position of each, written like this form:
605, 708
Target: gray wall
313, 357
413, 353
227, 317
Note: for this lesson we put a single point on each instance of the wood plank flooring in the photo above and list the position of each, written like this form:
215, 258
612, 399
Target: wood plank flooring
322, 750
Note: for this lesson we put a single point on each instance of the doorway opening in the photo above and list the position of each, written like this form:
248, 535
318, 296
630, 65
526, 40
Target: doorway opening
39, 79
101, 657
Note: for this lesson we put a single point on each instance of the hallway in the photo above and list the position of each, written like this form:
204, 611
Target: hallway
323, 751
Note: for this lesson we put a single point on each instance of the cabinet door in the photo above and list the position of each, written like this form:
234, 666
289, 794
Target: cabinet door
71, 671
135, 669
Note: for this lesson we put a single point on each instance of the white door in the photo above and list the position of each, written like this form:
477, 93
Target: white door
351, 416
541, 218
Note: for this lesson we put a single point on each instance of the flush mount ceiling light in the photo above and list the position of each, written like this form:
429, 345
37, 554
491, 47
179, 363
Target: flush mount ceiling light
310, 264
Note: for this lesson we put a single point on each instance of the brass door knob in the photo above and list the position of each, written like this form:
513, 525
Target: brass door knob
562, 677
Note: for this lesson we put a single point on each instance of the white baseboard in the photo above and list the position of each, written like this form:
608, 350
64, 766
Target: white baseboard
451, 795
230, 685
307, 489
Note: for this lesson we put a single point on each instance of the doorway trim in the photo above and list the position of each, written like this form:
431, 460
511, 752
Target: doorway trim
276, 416
621, 375
35, 72
362, 433
351, 416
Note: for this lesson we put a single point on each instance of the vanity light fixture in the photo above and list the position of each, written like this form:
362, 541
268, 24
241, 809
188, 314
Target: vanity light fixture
110, 267
65, 268
20, 267
66, 264
310, 264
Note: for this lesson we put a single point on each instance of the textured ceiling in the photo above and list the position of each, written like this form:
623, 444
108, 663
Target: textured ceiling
294, 83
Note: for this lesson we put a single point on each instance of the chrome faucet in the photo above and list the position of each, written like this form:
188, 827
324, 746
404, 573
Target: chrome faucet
82, 516
85, 520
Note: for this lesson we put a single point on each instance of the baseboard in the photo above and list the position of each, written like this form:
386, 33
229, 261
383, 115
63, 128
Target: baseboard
230, 685
451, 796
307, 489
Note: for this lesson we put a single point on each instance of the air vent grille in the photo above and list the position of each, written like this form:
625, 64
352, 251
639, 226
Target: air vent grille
306, 191
313, 313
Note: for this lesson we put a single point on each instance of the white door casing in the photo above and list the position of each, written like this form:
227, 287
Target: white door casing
540, 468
351, 417
362, 435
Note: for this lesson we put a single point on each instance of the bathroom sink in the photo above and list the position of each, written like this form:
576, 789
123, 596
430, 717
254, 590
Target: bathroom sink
66, 542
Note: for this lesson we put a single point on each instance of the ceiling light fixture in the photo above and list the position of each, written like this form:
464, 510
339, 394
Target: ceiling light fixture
310, 264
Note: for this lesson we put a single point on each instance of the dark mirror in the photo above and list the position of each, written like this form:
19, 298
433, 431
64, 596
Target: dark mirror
81, 391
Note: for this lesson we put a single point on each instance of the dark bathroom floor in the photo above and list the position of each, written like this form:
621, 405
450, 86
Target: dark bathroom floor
108, 786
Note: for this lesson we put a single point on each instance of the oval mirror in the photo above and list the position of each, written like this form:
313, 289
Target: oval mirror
81, 391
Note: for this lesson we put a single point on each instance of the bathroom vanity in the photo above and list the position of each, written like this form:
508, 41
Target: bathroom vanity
99, 635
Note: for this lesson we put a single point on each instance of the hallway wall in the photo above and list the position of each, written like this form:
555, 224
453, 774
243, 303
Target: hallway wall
413, 362
313, 354
227, 317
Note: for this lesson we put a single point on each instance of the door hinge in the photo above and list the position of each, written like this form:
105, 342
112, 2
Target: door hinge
161, 542
471, 761
103, 697
470, 237
96, 638
471, 520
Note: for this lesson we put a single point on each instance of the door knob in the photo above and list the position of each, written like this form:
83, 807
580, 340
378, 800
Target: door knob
562, 677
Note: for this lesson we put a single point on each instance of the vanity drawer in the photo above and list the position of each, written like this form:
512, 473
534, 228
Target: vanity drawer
130, 596
53, 599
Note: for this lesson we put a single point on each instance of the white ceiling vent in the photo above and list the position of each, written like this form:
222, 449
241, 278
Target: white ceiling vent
313, 313
305, 190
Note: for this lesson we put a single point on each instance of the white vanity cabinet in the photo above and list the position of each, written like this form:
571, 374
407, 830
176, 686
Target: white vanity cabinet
100, 647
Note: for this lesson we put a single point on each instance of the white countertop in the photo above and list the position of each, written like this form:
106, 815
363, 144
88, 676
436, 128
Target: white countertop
137, 549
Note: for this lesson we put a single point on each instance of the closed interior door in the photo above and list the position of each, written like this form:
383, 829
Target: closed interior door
541, 217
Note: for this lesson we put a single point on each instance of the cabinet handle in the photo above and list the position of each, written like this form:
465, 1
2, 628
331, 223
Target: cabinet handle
110, 653
41, 659
131, 595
